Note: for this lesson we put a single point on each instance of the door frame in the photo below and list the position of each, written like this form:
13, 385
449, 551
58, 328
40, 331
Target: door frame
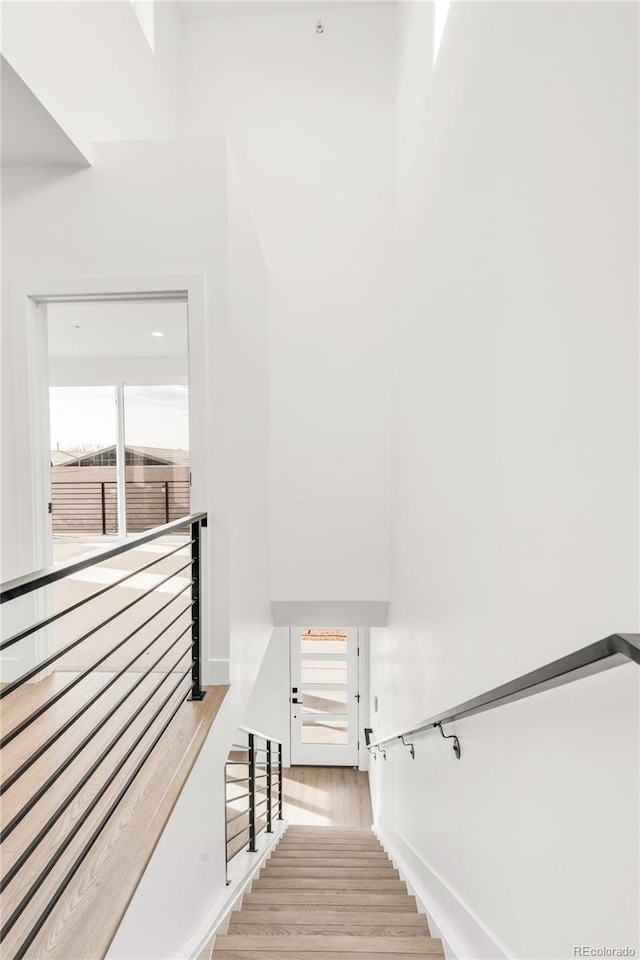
360, 693
30, 398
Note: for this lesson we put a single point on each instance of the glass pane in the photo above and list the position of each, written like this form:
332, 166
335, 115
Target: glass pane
156, 455
83, 462
318, 731
324, 671
324, 641
324, 701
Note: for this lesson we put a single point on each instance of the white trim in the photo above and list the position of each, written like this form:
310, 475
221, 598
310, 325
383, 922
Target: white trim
30, 392
218, 672
257, 733
464, 935
120, 462
330, 613
363, 689
242, 871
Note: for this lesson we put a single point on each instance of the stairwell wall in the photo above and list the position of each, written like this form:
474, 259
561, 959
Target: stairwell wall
151, 209
515, 473
102, 57
309, 117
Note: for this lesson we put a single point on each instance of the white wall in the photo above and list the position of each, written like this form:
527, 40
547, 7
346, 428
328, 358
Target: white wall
106, 83
515, 487
309, 118
268, 709
152, 209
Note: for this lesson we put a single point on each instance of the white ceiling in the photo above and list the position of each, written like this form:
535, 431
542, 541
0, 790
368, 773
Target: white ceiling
117, 329
30, 136
206, 9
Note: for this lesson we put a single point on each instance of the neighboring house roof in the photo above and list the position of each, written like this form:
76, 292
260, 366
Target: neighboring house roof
134, 456
59, 457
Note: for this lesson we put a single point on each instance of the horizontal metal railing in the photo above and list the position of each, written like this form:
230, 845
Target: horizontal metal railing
159, 646
612, 651
261, 760
90, 507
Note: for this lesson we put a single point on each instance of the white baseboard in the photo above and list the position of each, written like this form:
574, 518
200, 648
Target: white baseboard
242, 870
217, 672
464, 935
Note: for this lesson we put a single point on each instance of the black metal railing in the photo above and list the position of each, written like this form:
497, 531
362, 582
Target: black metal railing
253, 792
80, 688
612, 651
90, 507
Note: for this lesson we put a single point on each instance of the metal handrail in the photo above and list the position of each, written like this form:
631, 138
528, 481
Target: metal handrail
256, 796
602, 655
42, 578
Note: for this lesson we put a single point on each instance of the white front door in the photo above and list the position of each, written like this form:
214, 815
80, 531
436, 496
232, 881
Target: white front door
324, 697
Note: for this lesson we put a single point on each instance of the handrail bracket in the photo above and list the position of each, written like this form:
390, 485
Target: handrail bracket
412, 749
450, 736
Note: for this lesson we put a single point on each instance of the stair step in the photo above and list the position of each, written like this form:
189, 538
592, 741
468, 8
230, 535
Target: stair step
306, 831
324, 929
321, 900
301, 915
377, 954
298, 863
314, 944
330, 883
331, 870
366, 846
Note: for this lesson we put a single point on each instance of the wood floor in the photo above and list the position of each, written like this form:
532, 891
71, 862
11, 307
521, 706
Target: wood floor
326, 796
89, 910
327, 893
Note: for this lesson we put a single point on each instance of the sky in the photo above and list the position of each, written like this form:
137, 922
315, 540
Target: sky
85, 417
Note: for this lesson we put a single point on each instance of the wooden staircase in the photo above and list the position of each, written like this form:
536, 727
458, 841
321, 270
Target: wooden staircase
327, 893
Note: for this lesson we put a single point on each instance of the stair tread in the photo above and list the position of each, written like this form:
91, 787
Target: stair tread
329, 883
332, 870
428, 954
302, 852
335, 863
329, 916
410, 945
320, 899
324, 928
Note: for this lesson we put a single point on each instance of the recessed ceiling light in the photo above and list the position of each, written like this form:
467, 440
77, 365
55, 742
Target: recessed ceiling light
157, 333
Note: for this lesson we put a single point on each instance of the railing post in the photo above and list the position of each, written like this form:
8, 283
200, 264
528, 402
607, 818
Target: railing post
226, 828
104, 508
269, 826
166, 501
280, 781
197, 693
252, 794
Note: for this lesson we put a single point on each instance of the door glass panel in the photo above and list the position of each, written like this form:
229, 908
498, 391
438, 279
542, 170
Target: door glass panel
156, 429
324, 732
324, 701
324, 671
324, 641
84, 493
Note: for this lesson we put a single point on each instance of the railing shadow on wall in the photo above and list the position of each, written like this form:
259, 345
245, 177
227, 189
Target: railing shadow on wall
115, 679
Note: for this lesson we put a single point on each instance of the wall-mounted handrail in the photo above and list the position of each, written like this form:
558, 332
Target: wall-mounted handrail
604, 654
42, 578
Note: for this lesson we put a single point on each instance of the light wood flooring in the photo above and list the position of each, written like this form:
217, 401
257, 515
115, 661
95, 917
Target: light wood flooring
327, 893
326, 796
